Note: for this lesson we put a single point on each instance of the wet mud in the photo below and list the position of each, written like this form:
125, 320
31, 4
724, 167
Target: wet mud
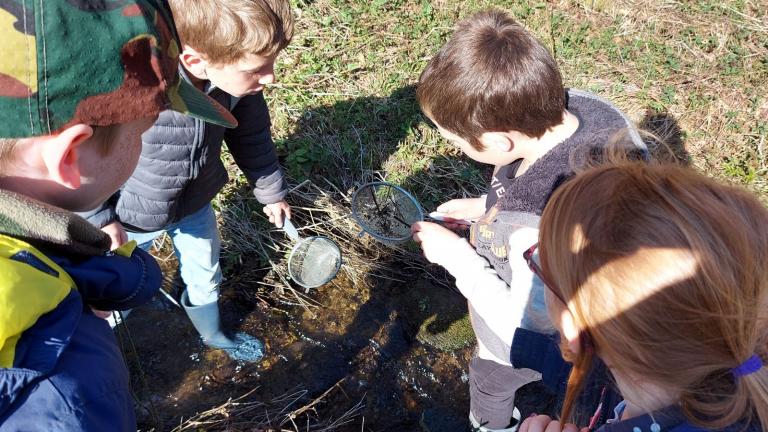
376, 347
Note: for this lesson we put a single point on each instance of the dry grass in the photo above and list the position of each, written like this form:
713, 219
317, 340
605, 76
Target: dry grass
316, 211
699, 64
282, 414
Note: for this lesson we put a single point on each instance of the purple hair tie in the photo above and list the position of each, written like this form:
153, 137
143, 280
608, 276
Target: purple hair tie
750, 366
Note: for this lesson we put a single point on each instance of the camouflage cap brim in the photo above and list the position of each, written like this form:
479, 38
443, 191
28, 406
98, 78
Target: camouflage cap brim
193, 102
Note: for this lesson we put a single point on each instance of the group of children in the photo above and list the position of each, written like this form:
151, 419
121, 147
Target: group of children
634, 291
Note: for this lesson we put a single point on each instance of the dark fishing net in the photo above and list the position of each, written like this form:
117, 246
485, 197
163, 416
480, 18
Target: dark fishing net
386, 211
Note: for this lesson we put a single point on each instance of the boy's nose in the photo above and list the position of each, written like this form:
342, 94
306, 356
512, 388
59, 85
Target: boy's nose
267, 79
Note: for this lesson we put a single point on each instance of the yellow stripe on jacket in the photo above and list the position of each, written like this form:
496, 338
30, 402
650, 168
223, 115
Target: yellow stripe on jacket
26, 294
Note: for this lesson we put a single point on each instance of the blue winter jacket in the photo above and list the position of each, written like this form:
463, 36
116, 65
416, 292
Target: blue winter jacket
60, 366
669, 419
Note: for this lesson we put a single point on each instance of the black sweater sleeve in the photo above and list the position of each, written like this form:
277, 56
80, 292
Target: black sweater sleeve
251, 145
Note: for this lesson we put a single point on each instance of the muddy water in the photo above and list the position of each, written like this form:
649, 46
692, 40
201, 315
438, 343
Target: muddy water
366, 339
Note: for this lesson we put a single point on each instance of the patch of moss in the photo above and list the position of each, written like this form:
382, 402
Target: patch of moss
446, 336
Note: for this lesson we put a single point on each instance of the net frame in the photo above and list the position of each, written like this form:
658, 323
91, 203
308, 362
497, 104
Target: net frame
292, 271
366, 228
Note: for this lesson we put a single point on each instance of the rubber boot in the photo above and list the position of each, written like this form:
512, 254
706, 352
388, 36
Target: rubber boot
207, 321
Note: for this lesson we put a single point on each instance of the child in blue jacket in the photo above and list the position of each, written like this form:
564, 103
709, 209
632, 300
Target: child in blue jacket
79, 84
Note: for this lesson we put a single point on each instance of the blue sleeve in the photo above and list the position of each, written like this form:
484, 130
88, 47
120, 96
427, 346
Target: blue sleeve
541, 353
115, 282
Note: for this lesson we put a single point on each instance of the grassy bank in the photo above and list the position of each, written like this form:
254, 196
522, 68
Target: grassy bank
695, 72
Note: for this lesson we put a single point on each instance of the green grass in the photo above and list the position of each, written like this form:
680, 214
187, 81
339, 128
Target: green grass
345, 111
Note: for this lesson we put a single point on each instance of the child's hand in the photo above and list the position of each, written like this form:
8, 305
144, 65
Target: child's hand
101, 314
464, 208
436, 241
544, 423
117, 233
275, 212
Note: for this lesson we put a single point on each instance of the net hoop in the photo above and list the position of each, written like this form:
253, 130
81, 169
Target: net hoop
291, 266
368, 230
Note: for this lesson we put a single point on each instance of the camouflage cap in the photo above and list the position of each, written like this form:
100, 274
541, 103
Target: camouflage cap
95, 62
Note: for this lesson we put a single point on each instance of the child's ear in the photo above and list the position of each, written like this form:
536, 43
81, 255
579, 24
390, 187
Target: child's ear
193, 62
60, 154
569, 331
497, 141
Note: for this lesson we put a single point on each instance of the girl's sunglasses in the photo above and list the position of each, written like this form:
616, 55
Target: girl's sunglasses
586, 337
536, 269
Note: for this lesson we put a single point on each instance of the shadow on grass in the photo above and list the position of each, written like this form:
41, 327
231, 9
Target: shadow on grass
664, 137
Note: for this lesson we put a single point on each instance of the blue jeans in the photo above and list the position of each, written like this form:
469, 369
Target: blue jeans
197, 246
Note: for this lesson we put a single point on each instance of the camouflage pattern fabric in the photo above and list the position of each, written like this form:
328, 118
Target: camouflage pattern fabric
96, 62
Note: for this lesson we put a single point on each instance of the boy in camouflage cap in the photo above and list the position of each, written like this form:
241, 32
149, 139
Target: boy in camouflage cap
79, 83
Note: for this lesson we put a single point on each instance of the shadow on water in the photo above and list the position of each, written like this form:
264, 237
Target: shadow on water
365, 337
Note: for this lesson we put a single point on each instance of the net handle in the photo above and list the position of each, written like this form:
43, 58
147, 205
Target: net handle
291, 230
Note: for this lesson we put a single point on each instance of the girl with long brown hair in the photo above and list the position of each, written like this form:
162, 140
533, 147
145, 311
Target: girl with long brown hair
662, 273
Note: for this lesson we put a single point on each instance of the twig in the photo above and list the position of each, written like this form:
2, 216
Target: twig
317, 400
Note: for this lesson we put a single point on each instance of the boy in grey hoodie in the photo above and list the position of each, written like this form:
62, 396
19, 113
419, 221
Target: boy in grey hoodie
495, 92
